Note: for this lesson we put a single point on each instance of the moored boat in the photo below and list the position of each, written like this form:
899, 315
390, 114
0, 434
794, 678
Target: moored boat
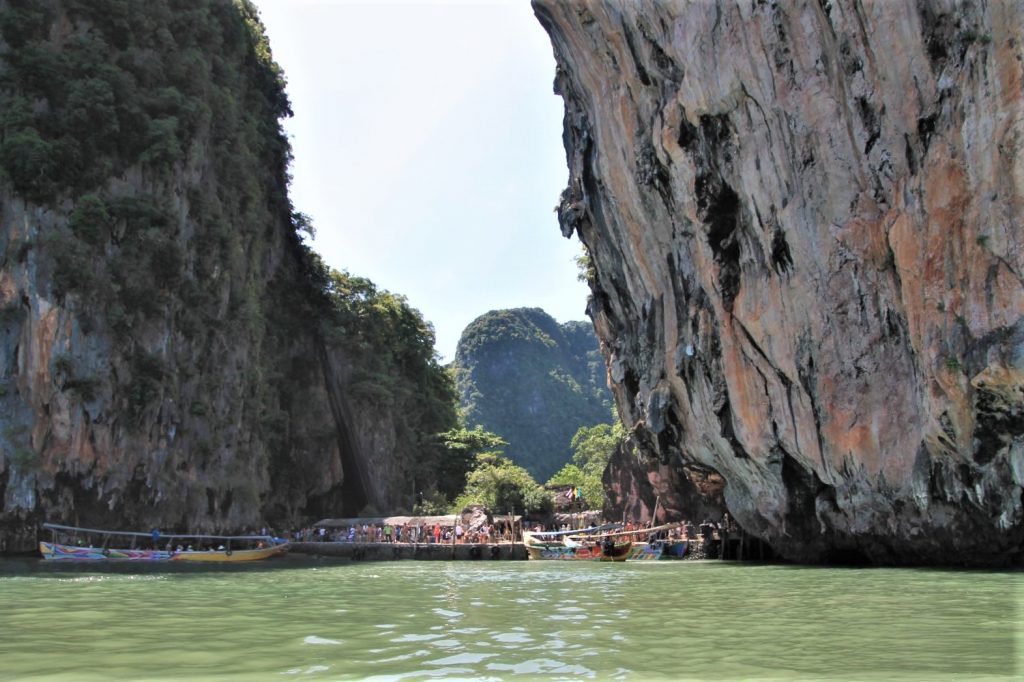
595, 551
658, 549
674, 549
649, 544
645, 551
586, 544
99, 545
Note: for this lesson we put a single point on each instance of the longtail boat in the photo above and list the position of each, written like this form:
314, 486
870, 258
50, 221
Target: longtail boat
586, 544
596, 551
658, 549
97, 546
674, 549
646, 550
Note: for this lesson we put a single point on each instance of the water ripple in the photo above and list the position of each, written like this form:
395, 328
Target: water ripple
313, 639
502, 620
449, 614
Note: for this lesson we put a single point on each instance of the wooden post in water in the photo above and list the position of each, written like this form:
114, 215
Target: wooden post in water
654, 522
455, 522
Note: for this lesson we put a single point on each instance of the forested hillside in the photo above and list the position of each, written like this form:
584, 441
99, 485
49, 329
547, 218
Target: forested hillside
534, 382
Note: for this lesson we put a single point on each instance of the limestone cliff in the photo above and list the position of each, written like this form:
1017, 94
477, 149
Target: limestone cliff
171, 354
805, 225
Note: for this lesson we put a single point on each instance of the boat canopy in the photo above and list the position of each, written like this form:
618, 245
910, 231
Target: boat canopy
635, 531
445, 520
127, 533
576, 531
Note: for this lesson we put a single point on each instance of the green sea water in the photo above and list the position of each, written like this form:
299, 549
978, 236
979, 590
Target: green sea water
305, 620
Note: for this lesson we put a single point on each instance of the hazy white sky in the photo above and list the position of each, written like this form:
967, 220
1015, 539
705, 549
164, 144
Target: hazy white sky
428, 152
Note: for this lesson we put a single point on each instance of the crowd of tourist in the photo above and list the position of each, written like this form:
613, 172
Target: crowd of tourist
426, 534
486, 533
685, 530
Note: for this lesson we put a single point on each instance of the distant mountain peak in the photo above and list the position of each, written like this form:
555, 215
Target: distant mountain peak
533, 381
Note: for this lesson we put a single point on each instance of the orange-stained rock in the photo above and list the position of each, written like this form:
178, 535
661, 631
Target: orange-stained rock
805, 221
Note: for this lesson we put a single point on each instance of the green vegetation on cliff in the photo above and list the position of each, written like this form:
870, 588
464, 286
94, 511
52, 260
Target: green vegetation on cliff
394, 370
157, 124
95, 87
203, 358
533, 381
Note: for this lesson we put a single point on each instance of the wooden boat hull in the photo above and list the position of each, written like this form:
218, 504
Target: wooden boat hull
644, 551
236, 555
586, 552
56, 552
675, 549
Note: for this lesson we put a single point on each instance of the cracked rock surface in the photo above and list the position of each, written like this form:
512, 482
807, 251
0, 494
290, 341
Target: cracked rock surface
804, 221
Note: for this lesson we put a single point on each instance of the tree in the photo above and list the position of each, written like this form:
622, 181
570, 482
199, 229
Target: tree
585, 271
473, 442
163, 149
28, 160
592, 448
90, 220
570, 474
91, 107
492, 479
501, 486
461, 449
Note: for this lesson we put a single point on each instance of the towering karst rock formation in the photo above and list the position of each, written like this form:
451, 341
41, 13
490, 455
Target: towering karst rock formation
170, 353
534, 382
805, 224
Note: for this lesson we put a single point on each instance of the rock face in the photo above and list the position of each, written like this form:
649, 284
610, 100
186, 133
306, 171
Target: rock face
643, 492
534, 382
170, 353
805, 225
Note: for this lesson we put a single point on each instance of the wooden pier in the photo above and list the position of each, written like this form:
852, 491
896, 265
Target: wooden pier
728, 547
